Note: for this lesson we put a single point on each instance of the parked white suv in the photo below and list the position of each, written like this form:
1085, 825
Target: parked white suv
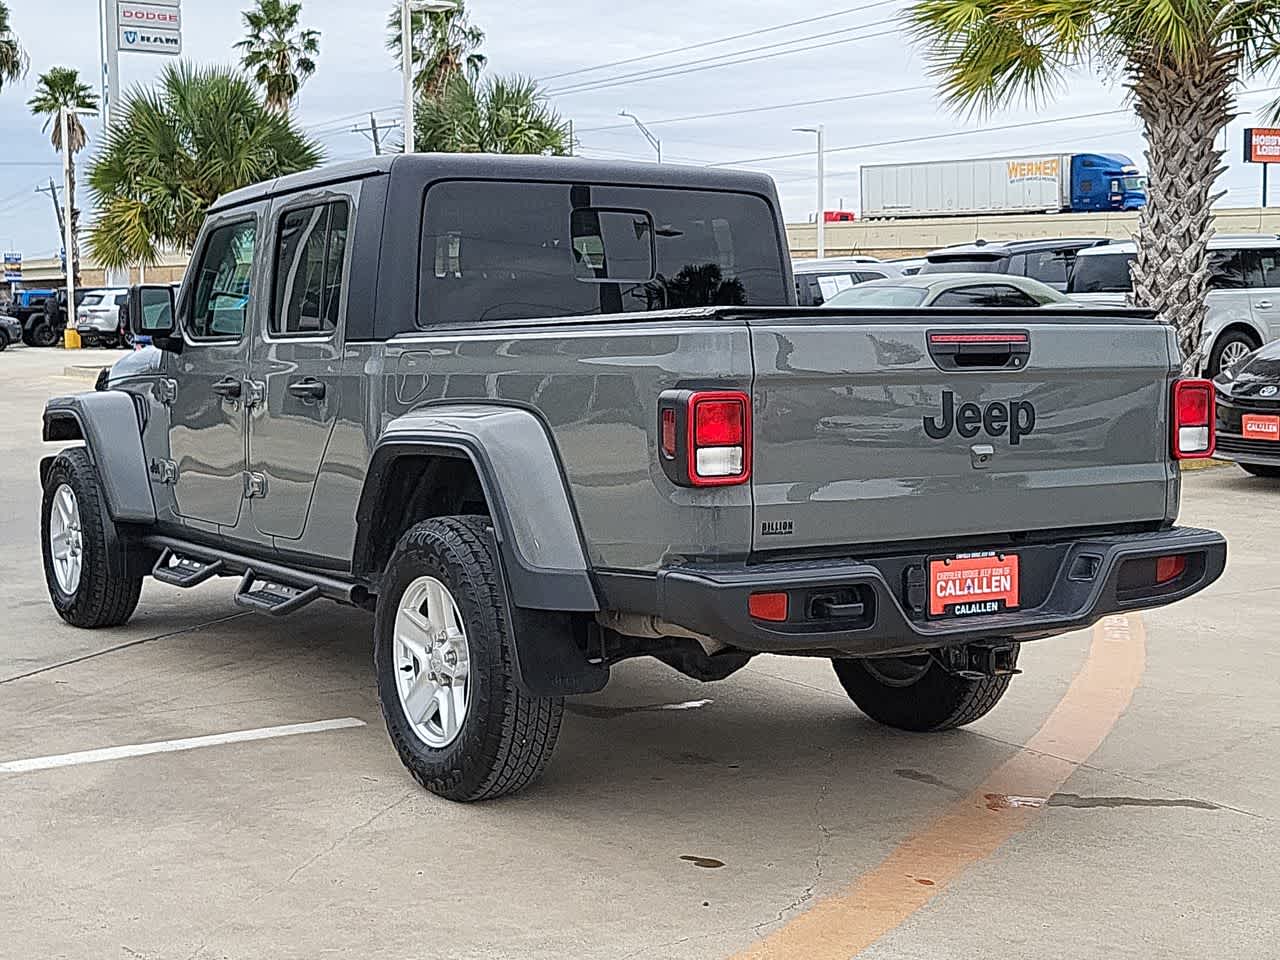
1244, 292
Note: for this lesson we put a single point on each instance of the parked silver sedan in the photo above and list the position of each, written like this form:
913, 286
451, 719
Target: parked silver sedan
952, 290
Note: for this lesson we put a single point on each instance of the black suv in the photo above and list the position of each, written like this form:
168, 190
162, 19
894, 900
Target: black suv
1048, 261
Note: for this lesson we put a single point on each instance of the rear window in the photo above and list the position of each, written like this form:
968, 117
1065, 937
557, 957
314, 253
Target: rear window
507, 251
879, 297
1102, 273
965, 265
92, 300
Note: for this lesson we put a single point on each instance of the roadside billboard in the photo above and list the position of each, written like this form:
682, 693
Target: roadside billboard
1262, 145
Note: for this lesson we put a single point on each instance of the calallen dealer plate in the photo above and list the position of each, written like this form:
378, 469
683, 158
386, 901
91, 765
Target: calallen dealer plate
970, 584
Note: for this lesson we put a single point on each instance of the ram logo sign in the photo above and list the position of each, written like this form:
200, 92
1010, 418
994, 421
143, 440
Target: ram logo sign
150, 27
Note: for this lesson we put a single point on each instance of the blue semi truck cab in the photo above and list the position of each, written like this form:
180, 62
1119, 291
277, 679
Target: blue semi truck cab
1106, 181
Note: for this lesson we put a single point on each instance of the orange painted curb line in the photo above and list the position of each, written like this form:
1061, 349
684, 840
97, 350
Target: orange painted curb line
842, 926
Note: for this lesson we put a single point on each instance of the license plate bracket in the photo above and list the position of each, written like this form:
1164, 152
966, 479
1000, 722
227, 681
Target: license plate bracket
973, 584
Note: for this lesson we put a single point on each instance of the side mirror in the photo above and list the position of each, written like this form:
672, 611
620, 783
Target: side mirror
152, 311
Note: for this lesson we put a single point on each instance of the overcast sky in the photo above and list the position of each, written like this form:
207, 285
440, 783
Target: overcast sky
546, 38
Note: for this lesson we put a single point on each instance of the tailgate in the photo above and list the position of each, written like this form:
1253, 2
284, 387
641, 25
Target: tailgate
884, 431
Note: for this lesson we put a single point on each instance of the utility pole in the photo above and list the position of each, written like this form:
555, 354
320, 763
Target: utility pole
52, 191
374, 132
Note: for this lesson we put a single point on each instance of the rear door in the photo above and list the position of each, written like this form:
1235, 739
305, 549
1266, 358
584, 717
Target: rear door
297, 359
1264, 292
865, 433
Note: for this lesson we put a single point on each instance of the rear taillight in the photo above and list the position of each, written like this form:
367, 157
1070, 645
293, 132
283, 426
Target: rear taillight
1193, 419
704, 437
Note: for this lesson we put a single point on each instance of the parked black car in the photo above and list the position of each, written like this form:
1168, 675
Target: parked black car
1248, 421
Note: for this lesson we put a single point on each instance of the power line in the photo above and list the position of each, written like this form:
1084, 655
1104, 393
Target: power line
712, 43
957, 133
776, 106
692, 66
926, 139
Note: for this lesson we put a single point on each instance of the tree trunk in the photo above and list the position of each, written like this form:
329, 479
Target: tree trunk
73, 255
1183, 107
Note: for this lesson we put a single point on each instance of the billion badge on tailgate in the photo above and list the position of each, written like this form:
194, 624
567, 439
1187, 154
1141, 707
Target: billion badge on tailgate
973, 583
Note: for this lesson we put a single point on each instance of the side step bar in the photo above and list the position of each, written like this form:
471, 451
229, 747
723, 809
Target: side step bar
273, 599
180, 571
265, 587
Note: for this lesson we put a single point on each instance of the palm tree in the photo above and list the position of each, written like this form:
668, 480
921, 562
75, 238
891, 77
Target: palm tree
496, 115
13, 59
278, 55
444, 46
1180, 61
57, 90
201, 132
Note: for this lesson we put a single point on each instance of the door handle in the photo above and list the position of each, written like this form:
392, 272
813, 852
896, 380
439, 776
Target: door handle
308, 389
228, 388
1264, 304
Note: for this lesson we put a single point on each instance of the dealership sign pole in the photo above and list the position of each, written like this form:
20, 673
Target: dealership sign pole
147, 26
1262, 145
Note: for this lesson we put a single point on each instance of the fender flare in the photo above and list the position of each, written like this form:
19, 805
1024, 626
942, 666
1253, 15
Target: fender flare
108, 424
538, 537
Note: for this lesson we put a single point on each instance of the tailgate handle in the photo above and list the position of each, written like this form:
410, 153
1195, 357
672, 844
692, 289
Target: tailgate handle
980, 349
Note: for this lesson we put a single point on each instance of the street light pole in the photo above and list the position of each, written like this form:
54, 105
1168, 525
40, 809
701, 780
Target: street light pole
821, 219
648, 134
406, 55
407, 8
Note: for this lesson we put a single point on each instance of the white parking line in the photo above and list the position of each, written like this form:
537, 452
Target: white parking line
172, 746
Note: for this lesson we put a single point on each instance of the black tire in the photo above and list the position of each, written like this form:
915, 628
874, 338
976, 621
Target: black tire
101, 598
1214, 367
4, 341
43, 335
507, 736
916, 694
1261, 470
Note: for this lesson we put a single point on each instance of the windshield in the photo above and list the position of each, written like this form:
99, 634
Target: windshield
965, 265
878, 296
1135, 184
1101, 273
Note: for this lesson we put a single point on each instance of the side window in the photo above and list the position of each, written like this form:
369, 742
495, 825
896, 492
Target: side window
1050, 266
1013, 297
1018, 265
1230, 270
311, 248
981, 296
1269, 267
223, 281
121, 299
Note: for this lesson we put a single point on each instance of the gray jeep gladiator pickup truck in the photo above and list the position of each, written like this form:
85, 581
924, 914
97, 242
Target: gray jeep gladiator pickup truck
543, 415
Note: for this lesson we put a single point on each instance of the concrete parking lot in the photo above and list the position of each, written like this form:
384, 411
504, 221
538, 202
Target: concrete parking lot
1121, 802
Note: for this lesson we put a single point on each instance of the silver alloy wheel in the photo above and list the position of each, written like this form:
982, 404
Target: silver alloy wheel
66, 540
1233, 353
432, 662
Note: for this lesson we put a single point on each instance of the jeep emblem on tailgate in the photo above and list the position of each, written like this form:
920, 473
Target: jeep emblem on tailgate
1017, 418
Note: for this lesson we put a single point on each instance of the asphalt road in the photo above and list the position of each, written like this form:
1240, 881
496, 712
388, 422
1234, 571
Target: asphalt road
1121, 802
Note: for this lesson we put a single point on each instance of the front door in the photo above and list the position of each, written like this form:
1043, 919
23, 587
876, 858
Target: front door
297, 362
207, 431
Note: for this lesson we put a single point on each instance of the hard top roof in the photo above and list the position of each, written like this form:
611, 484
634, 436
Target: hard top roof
483, 166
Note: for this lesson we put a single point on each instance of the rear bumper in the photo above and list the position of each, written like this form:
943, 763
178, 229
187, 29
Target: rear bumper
1240, 450
1067, 586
